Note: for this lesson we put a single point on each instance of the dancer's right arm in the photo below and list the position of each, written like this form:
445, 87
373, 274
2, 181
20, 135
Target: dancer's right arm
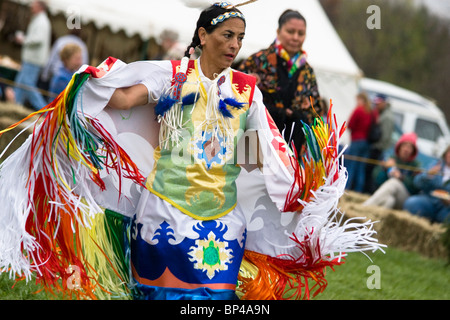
126, 98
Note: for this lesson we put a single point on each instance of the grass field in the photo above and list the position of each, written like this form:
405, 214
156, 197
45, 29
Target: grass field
402, 276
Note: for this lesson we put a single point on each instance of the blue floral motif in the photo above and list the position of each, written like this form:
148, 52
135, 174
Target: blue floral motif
211, 149
150, 260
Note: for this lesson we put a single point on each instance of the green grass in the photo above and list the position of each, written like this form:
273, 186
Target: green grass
403, 276
19, 291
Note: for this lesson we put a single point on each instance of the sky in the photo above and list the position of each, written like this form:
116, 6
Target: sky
438, 7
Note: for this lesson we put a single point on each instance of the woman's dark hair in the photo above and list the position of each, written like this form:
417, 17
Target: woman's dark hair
204, 21
288, 15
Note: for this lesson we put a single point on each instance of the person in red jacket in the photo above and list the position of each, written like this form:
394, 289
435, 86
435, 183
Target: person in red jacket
359, 125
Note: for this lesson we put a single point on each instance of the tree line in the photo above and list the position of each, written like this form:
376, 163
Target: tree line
410, 49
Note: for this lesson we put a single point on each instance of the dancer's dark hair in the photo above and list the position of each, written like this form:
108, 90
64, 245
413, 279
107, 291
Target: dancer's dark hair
206, 16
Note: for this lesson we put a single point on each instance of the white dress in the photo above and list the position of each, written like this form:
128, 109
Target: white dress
155, 246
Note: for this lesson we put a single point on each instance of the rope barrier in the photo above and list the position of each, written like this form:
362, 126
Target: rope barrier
348, 157
380, 163
26, 87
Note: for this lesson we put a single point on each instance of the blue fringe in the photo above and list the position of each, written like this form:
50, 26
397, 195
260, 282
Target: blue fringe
234, 103
164, 105
189, 99
224, 110
231, 102
313, 145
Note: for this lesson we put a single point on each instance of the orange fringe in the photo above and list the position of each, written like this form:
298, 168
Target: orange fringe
309, 173
284, 279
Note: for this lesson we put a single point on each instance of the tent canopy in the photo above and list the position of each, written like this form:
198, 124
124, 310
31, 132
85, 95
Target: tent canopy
337, 73
149, 18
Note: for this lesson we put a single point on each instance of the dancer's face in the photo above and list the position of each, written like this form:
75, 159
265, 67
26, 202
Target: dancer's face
220, 47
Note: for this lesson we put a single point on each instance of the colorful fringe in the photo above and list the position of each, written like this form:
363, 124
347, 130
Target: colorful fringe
320, 161
266, 278
321, 238
51, 226
56, 230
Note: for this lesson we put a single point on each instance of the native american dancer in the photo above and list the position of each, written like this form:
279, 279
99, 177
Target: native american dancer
170, 180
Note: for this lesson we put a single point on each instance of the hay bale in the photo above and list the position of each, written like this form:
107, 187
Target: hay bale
13, 111
6, 138
399, 229
355, 197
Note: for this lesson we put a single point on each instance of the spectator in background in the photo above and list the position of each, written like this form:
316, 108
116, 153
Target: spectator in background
171, 47
54, 62
35, 50
395, 176
72, 59
359, 125
434, 201
286, 79
378, 149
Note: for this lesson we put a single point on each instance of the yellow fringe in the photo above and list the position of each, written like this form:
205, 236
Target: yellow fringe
102, 260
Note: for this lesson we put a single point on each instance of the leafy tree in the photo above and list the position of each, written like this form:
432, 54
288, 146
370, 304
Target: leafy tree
411, 49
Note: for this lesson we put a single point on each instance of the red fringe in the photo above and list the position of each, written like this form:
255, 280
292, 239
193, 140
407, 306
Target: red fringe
55, 228
121, 164
306, 178
285, 277
58, 249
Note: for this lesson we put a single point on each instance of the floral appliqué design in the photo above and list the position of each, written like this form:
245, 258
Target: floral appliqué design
210, 255
210, 148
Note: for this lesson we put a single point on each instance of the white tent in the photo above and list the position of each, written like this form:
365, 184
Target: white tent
337, 73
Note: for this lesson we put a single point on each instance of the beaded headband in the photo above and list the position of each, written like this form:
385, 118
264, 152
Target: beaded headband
226, 15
